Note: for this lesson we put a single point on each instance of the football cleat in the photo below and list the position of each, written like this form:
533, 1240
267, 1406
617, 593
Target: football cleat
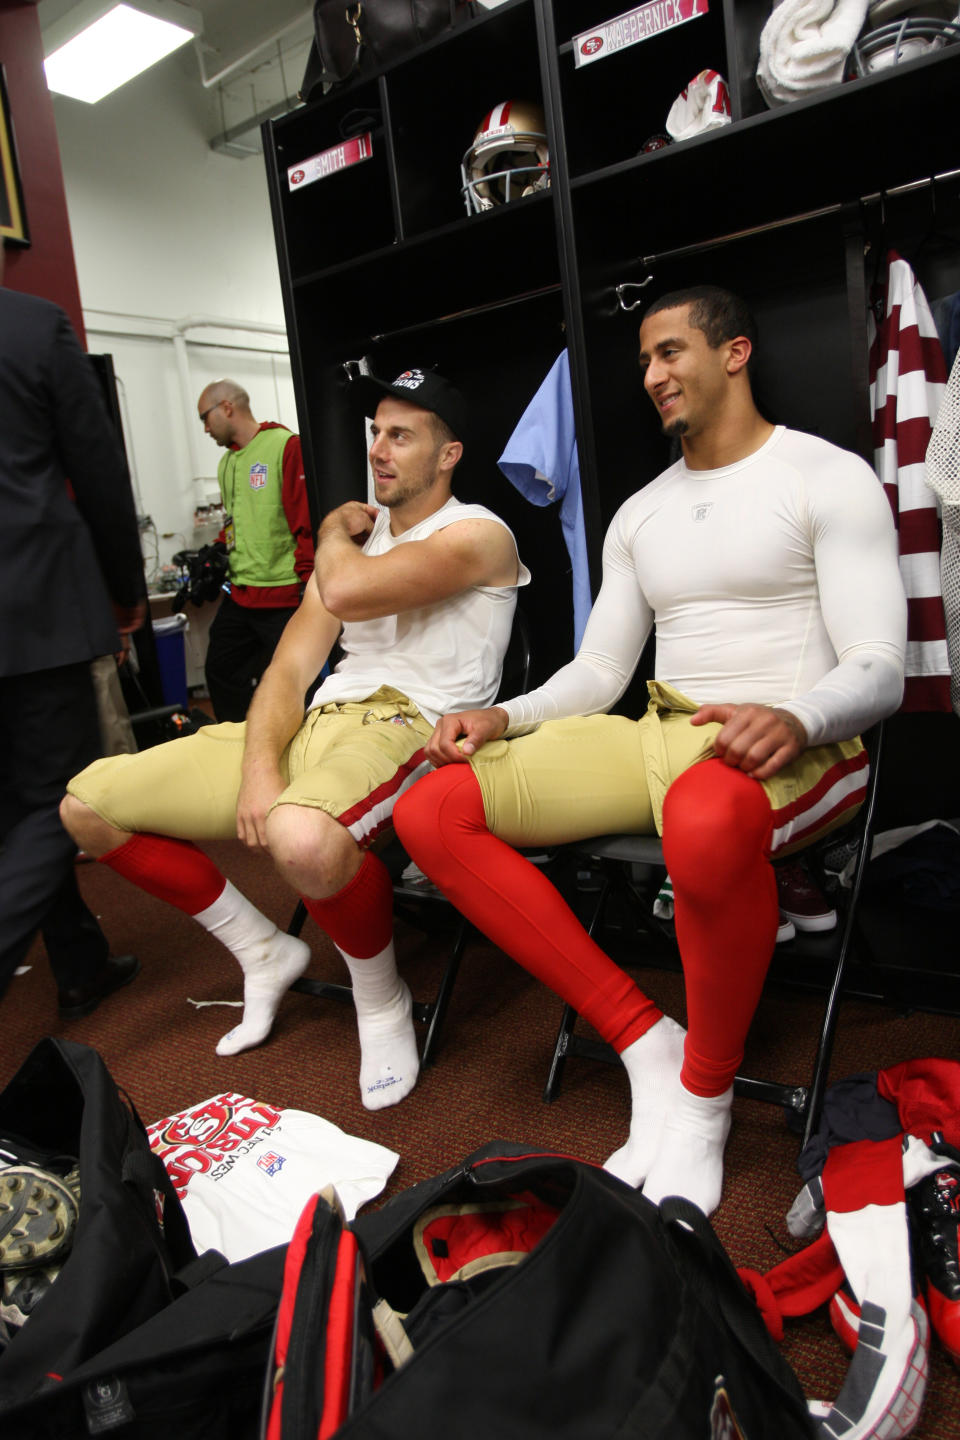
934, 1206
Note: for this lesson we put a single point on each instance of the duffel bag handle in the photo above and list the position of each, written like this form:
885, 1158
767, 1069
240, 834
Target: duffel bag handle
740, 1315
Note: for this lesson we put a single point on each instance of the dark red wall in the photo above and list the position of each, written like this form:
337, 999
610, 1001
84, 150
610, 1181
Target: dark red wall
47, 268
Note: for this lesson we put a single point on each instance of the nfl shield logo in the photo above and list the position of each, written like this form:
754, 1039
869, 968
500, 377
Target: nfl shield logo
258, 477
271, 1162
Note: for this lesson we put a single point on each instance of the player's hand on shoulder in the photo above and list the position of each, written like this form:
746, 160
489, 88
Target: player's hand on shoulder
757, 739
258, 791
355, 518
456, 737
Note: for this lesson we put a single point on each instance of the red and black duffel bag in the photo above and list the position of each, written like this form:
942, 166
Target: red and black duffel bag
521, 1294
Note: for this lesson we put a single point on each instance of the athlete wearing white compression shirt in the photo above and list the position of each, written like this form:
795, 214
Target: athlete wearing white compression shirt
773, 580
766, 559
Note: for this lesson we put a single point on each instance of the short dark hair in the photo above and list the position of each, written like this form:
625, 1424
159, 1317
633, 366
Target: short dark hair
719, 313
441, 430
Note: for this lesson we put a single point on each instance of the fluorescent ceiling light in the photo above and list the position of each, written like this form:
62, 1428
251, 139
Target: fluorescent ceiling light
105, 45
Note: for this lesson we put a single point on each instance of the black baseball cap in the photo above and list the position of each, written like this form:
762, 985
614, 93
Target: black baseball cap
424, 388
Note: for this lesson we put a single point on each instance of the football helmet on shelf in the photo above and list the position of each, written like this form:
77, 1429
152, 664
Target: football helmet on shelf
898, 30
508, 158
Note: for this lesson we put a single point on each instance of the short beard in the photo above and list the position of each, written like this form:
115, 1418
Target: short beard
412, 490
675, 428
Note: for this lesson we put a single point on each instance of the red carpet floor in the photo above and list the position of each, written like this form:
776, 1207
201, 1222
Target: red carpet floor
486, 1083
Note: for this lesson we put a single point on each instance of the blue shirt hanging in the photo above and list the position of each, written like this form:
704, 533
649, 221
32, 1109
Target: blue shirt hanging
541, 460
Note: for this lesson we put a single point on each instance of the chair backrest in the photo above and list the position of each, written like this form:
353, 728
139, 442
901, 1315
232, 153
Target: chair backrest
515, 677
862, 823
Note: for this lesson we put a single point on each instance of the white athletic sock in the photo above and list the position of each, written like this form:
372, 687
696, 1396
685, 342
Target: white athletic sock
270, 961
389, 1062
690, 1158
653, 1064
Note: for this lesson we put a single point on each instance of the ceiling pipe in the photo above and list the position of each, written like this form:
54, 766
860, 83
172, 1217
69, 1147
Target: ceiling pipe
243, 62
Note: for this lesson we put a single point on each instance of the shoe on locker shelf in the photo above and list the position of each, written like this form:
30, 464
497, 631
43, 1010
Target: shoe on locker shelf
801, 901
934, 1208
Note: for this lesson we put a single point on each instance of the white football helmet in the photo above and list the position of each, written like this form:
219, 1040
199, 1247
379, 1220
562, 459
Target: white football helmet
508, 158
903, 30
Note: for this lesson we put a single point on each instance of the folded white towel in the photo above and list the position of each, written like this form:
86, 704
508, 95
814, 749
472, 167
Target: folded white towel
804, 46
703, 105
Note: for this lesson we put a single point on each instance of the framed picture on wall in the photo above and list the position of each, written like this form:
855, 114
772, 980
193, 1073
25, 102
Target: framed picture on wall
13, 219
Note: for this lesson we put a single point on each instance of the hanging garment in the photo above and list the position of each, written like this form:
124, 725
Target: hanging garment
541, 460
946, 317
943, 477
907, 376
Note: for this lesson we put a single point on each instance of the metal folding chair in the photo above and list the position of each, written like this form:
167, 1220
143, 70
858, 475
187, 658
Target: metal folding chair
613, 857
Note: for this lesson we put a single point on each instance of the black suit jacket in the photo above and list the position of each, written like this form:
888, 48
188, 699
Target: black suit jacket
63, 559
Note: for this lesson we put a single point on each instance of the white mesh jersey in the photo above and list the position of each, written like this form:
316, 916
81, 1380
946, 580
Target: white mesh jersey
773, 580
447, 656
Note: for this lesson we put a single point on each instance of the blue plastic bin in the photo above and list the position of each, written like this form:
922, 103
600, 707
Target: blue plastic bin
171, 657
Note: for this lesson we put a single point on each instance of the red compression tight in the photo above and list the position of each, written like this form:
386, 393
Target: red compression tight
358, 918
441, 824
716, 829
172, 870
716, 824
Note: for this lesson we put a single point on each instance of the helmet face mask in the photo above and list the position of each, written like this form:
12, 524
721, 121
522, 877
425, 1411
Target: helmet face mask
899, 30
508, 159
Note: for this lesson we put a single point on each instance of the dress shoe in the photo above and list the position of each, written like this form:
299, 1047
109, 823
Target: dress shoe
80, 1000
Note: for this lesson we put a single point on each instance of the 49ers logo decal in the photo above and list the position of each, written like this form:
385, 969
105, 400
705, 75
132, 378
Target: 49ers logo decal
210, 1135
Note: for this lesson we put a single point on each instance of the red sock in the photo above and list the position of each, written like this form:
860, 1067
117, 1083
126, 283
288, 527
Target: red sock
442, 825
359, 918
716, 829
172, 870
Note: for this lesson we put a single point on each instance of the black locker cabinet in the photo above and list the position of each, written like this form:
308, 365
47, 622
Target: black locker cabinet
791, 206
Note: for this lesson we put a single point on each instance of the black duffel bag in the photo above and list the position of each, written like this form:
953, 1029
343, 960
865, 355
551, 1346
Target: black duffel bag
137, 1334
526, 1296
351, 36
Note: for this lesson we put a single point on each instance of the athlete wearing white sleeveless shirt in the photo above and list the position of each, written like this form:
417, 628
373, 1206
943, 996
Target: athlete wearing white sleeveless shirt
773, 580
441, 656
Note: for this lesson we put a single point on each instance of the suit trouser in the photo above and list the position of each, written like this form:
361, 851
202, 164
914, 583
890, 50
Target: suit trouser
48, 730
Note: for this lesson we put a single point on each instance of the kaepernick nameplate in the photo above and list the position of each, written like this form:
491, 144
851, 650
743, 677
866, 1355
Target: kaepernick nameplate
328, 162
634, 26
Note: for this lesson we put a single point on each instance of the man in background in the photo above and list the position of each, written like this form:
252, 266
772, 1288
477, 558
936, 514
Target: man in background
269, 543
71, 582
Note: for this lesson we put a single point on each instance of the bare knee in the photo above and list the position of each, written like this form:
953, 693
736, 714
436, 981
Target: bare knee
88, 829
311, 851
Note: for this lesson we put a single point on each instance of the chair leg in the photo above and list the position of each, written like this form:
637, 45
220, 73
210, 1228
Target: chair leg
564, 1036
569, 1018
436, 1012
828, 1030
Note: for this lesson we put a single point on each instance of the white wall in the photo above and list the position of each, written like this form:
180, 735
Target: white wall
164, 229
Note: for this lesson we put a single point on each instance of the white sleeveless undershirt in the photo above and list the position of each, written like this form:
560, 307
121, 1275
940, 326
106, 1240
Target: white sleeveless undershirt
446, 656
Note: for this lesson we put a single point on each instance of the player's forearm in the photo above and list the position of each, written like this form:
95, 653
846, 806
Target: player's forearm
339, 565
275, 715
589, 685
865, 687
